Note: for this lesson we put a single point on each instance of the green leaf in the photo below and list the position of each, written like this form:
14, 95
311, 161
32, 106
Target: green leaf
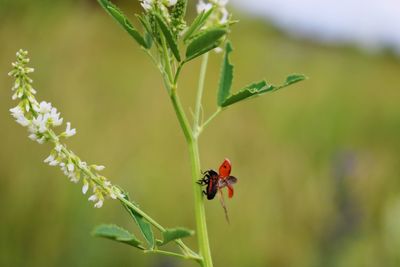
169, 36
226, 76
198, 22
144, 226
118, 234
148, 37
119, 16
175, 233
204, 42
260, 88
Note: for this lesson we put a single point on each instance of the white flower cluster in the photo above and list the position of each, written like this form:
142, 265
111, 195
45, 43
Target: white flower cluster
162, 6
149, 4
40, 119
221, 14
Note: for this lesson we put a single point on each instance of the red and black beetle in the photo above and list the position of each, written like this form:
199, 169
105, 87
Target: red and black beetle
216, 181
211, 179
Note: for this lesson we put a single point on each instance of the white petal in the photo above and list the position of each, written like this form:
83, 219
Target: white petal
99, 167
85, 187
93, 198
113, 196
49, 159
58, 148
23, 121
99, 204
68, 131
70, 167
33, 137
53, 163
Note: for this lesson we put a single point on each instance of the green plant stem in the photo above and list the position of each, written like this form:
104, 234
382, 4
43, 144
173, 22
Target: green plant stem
201, 223
180, 114
168, 253
191, 137
200, 90
210, 119
192, 141
167, 60
178, 71
200, 214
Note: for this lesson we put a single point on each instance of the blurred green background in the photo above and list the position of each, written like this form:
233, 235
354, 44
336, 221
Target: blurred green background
318, 163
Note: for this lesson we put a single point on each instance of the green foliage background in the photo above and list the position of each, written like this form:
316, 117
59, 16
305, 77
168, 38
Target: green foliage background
318, 163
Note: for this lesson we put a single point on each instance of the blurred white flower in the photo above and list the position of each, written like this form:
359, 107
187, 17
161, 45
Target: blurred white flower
99, 167
202, 6
40, 121
44, 107
70, 167
98, 204
147, 4
68, 131
220, 15
170, 3
93, 198
85, 186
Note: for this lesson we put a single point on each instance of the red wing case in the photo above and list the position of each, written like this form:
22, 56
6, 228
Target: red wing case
228, 182
225, 169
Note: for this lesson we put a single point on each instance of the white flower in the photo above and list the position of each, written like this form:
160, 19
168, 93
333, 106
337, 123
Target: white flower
19, 115
73, 177
29, 70
70, 167
170, 3
53, 162
55, 117
221, 14
41, 140
23, 121
40, 122
93, 198
99, 167
33, 137
58, 148
147, 4
68, 131
85, 187
49, 159
16, 112
44, 107
99, 204
224, 16
113, 195
202, 6
218, 50
221, 2
14, 96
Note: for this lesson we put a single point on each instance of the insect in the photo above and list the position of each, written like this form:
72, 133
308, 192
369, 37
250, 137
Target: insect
214, 182
211, 180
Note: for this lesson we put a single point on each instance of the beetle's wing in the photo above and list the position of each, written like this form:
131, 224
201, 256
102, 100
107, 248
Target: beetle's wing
231, 180
230, 190
225, 169
228, 182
